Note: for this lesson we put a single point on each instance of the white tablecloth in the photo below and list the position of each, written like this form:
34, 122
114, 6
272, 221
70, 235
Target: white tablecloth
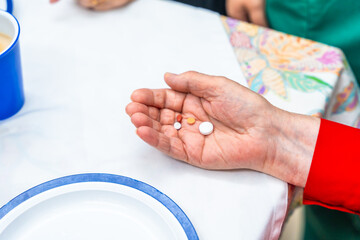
80, 68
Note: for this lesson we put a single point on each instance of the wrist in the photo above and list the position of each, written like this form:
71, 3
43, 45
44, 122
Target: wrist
294, 138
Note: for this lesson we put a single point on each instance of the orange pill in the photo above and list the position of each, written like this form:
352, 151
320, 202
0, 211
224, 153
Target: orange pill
179, 118
191, 121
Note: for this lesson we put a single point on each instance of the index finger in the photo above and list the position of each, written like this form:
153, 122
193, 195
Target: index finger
160, 98
198, 84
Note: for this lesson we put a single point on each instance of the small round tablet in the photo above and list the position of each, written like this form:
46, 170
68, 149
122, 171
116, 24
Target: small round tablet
191, 120
177, 125
206, 128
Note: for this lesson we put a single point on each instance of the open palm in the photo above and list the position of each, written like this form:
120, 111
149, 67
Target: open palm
241, 136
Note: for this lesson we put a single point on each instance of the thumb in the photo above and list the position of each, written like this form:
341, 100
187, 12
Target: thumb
198, 84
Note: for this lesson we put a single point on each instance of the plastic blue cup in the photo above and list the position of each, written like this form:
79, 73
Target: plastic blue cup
11, 84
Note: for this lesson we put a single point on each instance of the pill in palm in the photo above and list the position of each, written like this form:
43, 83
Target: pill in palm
179, 118
190, 120
177, 125
206, 128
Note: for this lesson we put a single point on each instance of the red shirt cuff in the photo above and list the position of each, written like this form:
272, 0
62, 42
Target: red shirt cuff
334, 177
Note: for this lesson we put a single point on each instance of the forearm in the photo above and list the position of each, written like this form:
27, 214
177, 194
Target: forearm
319, 155
295, 139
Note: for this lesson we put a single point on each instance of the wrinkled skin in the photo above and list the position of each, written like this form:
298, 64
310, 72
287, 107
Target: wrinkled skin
242, 137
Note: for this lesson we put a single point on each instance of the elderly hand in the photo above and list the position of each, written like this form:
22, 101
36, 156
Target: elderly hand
249, 132
100, 5
251, 11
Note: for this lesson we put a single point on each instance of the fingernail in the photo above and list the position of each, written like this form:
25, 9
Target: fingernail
170, 75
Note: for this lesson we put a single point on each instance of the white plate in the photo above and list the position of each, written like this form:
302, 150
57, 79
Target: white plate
93, 206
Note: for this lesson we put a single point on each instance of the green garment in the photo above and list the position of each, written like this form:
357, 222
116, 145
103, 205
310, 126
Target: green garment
337, 23
334, 22
324, 224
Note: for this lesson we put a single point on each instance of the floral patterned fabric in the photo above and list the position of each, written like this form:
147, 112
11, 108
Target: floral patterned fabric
290, 69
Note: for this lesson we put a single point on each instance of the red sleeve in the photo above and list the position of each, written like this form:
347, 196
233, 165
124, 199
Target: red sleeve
334, 177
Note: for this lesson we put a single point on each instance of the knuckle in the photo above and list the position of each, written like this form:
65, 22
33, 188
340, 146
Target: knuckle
190, 74
222, 80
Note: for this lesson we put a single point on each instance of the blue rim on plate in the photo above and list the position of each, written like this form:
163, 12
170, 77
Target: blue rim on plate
108, 178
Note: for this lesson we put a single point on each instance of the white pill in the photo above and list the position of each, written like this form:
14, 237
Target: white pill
177, 125
206, 128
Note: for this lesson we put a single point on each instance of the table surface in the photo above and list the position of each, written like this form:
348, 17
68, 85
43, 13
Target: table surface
80, 68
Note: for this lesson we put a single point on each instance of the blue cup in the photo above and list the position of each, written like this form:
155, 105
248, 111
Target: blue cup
11, 84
